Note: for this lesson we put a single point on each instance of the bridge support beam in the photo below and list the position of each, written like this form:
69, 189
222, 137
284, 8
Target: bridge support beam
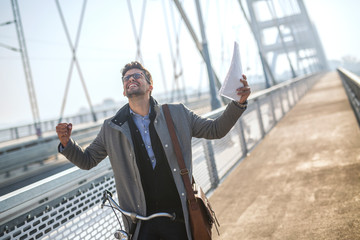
204, 52
27, 69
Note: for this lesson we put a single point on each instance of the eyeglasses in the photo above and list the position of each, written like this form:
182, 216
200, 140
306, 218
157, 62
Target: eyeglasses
136, 76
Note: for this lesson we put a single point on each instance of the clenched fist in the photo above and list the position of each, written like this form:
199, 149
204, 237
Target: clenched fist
63, 131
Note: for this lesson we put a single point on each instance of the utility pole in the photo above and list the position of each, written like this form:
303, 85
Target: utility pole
27, 69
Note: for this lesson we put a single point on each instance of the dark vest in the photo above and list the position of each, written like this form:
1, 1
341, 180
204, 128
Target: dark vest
159, 187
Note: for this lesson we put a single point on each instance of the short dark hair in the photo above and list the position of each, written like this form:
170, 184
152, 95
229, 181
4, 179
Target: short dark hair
137, 65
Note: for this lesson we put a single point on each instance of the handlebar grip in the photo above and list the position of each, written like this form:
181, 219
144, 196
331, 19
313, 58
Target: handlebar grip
174, 217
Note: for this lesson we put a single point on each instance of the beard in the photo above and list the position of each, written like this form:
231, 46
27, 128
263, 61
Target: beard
134, 93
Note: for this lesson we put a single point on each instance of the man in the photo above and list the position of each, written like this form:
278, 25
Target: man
140, 150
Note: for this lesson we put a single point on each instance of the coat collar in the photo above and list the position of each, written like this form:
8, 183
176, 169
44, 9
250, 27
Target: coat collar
124, 113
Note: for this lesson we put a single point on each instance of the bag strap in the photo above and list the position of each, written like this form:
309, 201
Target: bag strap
184, 172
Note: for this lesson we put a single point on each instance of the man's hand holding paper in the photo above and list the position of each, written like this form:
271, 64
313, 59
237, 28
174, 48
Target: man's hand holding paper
243, 91
235, 86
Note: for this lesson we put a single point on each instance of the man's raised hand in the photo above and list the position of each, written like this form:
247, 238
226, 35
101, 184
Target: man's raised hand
244, 91
63, 131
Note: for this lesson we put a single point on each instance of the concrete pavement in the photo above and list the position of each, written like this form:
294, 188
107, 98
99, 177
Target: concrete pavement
303, 180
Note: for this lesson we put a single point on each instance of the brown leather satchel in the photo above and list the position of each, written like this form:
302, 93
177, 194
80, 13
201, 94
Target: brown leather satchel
202, 217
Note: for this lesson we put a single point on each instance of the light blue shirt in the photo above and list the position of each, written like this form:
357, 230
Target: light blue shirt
142, 123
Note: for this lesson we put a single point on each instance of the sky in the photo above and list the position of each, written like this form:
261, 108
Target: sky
108, 41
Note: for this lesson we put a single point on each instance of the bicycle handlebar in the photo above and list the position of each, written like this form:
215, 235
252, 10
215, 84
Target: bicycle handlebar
134, 216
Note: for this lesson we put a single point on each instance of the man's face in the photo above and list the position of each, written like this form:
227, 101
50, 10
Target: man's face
135, 84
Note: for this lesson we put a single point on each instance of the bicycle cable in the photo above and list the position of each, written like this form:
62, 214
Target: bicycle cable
112, 208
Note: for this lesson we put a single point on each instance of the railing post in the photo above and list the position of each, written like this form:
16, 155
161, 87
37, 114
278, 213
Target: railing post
242, 137
293, 86
11, 131
16, 131
281, 103
30, 129
288, 98
293, 94
298, 95
258, 111
210, 163
273, 109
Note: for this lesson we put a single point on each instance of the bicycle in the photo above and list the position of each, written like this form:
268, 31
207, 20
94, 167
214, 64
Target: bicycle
121, 233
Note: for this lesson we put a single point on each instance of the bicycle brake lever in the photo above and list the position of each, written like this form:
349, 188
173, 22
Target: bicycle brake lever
105, 197
108, 192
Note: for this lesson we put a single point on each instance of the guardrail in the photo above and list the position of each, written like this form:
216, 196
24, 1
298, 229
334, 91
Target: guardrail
66, 205
351, 84
27, 130
24, 154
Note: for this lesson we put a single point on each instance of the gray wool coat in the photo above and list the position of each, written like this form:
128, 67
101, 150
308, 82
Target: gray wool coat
114, 140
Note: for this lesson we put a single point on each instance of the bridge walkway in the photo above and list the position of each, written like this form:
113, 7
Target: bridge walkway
303, 180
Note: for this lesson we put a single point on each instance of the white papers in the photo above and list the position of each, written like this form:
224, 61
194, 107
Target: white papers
232, 80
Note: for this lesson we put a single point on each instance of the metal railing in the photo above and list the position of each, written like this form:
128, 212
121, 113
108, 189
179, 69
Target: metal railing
28, 130
22, 155
66, 205
351, 84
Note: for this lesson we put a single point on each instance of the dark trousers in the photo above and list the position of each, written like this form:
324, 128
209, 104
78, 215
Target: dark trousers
162, 229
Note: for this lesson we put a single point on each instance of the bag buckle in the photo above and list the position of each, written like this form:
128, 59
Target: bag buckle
184, 171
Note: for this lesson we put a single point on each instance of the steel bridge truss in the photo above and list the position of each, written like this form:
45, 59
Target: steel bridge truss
26, 65
282, 29
74, 60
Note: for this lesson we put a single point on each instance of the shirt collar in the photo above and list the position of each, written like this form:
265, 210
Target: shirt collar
132, 113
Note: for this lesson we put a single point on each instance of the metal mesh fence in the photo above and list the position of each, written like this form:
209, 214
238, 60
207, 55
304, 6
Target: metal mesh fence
76, 215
